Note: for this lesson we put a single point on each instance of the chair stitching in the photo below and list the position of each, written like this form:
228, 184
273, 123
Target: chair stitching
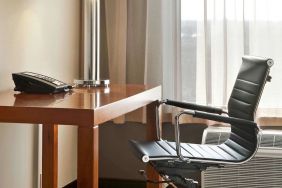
205, 147
164, 148
230, 145
239, 111
247, 81
223, 149
241, 138
185, 149
235, 127
189, 146
236, 88
240, 100
193, 147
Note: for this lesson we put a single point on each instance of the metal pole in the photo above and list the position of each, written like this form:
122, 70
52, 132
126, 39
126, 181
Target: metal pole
91, 11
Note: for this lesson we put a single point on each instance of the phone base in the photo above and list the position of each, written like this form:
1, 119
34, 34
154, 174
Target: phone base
92, 83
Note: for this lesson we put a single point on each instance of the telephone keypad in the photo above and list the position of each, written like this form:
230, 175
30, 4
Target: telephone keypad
37, 83
46, 78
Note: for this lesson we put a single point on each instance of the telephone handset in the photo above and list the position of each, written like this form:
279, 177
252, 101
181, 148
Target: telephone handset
30, 82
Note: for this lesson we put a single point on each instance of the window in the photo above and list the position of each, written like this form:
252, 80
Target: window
215, 34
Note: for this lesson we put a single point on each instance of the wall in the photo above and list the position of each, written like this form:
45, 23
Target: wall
40, 36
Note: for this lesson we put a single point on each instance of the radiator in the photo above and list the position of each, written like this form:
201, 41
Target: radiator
263, 170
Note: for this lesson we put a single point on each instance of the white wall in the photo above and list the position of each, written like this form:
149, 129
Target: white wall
40, 36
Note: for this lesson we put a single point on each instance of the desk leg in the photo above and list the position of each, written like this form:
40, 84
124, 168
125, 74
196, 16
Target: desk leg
87, 159
151, 132
50, 156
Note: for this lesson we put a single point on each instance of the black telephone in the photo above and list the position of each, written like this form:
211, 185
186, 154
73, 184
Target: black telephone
30, 82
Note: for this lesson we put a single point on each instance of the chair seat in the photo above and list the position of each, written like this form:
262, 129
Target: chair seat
162, 150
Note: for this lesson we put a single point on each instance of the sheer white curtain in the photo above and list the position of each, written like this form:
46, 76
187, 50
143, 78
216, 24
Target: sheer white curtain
143, 44
215, 34
162, 57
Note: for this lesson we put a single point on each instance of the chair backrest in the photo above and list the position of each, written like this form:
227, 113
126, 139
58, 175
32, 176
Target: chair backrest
244, 99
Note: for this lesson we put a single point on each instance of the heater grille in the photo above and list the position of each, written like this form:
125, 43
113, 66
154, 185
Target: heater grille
263, 170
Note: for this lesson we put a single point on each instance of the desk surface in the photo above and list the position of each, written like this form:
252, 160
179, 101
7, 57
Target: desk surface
80, 107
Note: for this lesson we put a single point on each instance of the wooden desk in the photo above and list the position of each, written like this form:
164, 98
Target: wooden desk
86, 108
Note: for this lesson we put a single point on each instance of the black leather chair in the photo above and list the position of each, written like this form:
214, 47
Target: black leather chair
173, 159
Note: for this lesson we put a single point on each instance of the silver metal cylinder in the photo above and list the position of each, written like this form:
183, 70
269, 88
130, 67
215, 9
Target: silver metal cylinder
91, 11
91, 39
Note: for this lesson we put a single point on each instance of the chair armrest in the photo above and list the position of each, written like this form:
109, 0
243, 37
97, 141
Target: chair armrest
224, 119
193, 106
209, 116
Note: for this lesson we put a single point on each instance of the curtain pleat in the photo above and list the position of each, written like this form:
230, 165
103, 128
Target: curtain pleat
195, 55
116, 23
116, 28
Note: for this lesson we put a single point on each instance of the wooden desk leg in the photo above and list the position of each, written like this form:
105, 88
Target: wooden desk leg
50, 156
152, 135
87, 157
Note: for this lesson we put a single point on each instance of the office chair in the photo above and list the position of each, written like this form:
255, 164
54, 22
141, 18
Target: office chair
173, 159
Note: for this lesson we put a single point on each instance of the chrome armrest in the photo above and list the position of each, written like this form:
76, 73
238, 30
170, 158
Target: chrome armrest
158, 122
177, 132
209, 116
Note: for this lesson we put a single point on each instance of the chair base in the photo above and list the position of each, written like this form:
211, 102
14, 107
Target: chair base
174, 170
172, 175
182, 182
178, 167
172, 181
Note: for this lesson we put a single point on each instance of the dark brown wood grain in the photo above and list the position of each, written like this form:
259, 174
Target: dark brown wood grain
88, 157
50, 156
77, 107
